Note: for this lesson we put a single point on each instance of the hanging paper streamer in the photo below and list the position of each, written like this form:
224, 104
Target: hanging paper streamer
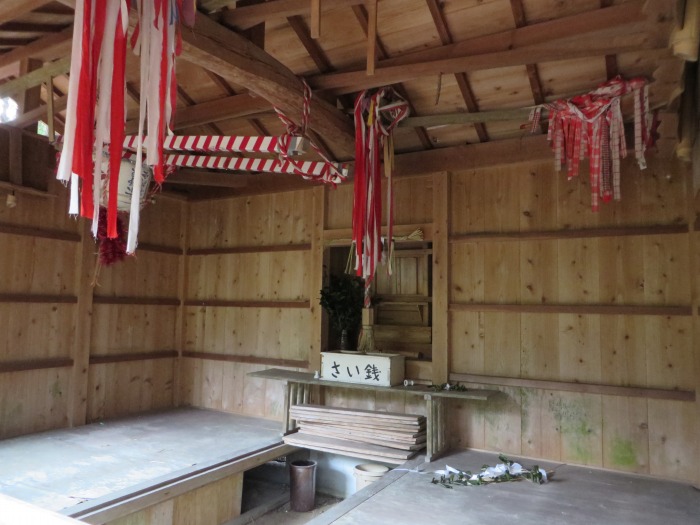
591, 126
376, 116
97, 80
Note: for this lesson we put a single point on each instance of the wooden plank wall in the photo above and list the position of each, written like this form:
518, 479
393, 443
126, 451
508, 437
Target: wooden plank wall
649, 345
250, 300
73, 353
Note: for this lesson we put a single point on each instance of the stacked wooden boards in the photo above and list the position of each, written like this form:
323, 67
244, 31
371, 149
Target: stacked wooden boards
380, 436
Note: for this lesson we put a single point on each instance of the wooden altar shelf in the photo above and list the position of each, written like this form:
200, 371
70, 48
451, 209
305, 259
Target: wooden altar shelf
383, 436
297, 392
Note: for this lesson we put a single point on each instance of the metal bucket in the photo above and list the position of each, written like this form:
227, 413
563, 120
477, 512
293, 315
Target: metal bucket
302, 483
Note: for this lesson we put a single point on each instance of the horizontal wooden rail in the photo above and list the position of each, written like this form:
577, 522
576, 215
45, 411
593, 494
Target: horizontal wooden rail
584, 309
343, 236
621, 231
268, 361
142, 356
585, 388
19, 188
37, 298
250, 249
145, 301
158, 248
26, 231
248, 304
35, 364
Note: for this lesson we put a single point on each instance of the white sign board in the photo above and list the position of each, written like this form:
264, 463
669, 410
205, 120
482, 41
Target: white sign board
367, 369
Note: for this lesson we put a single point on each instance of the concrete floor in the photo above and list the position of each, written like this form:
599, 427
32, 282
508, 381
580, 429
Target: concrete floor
61, 468
575, 496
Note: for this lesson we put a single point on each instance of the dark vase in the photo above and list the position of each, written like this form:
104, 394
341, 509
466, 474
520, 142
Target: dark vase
344, 340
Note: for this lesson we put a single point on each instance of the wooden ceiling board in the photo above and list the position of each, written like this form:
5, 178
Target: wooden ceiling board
502, 88
196, 82
423, 93
444, 136
405, 26
541, 10
470, 18
571, 77
282, 43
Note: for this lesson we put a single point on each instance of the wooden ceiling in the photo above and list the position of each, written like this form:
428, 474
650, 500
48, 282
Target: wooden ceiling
476, 57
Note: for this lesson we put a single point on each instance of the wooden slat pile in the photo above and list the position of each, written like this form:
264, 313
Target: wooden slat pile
380, 436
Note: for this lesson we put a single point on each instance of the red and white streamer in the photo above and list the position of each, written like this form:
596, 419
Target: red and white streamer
95, 109
592, 125
376, 116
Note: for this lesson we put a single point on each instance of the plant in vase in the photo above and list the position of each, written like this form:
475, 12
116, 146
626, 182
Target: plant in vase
343, 299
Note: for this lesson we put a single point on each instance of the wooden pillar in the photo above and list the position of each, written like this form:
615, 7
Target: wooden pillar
182, 296
30, 98
441, 270
317, 225
82, 321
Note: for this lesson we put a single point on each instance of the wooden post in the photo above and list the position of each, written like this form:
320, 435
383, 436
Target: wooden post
371, 37
316, 277
181, 322
77, 408
15, 160
441, 269
50, 109
315, 18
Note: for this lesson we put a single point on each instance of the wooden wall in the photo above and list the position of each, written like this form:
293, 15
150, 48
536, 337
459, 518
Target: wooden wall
73, 353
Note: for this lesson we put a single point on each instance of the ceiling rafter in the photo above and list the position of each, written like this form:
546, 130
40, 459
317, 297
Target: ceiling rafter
461, 78
533, 76
189, 101
583, 40
12, 9
611, 69
363, 18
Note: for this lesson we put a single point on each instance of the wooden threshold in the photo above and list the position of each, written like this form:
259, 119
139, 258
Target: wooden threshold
581, 309
12, 229
586, 388
139, 497
583, 233
146, 301
247, 304
250, 249
35, 364
142, 356
37, 298
271, 361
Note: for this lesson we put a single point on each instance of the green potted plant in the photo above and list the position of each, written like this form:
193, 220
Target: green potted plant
343, 299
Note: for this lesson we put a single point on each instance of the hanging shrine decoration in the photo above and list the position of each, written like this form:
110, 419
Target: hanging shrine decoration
591, 125
376, 115
95, 116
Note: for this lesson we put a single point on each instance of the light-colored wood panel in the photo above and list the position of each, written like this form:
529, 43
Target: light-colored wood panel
625, 434
35, 265
669, 352
578, 271
501, 272
673, 431
467, 194
467, 342
467, 272
540, 424
33, 401
503, 421
579, 417
539, 347
149, 274
132, 328
666, 265
502, 344
130, 387
539, 275
579, 348
34, 331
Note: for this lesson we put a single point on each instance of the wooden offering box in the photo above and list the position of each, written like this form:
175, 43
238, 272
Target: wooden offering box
368, 369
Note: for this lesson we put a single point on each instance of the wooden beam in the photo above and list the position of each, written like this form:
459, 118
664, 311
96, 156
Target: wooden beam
312, 47
473, 156
11, 9
270, 248
189, 101
140, 356
467, 118
30, 117
214, 111
146, 301
31, 98
35, 78
248, 16
441, 277
218, 49
315, 18
15, 157
491, 46
584, 388
217, 303
35, 364
578, 309
47, 47
206, 178
591, 45
267, 361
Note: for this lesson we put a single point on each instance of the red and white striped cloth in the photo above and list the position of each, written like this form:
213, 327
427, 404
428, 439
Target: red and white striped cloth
592, 125
376, 116
95, 109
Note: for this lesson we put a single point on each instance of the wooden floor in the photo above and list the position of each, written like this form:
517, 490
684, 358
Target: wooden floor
575, 496
59, 469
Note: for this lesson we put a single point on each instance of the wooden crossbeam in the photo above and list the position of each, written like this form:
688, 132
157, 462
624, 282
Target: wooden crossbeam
511, 47
35, 78
11, 9
216, 48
